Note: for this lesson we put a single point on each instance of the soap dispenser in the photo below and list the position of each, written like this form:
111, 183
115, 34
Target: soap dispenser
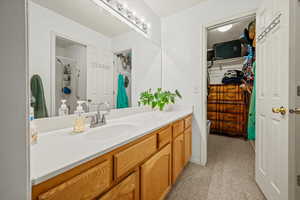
79, 125
63, 110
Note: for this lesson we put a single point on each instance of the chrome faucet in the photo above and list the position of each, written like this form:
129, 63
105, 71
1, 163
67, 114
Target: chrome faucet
99, 119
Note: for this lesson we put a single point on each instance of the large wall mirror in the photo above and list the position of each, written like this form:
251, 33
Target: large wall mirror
79, 51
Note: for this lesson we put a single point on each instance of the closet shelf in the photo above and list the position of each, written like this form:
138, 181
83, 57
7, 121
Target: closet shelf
230, 60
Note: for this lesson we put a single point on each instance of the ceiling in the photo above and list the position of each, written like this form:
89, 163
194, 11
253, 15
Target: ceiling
91, 16
165, 8
214, 36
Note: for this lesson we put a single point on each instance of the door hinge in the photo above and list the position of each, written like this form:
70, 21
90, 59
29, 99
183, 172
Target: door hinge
298, 180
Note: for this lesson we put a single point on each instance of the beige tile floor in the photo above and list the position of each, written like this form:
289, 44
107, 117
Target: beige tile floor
229, 174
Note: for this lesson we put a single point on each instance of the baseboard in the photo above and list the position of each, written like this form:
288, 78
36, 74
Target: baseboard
252, 143
196, 161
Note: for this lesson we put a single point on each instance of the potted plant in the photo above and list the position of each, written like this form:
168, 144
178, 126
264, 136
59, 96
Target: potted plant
159, 99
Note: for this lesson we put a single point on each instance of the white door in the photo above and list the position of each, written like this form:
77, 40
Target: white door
272, 143
99, 75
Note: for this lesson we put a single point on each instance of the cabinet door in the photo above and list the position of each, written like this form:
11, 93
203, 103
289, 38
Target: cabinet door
187, 145
126, 190
156, 175
178, 156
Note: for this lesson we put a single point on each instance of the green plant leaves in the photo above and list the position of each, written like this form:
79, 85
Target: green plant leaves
159, 99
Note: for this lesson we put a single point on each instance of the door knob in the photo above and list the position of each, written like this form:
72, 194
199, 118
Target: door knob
296, 111
280, 110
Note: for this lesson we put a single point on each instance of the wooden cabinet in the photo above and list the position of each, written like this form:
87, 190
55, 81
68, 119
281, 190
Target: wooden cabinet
126, 190
129, 158
188, 122
178, 156
227, 110
164, 137
178, 128
144, 168
187, 145
85, 186
156, 175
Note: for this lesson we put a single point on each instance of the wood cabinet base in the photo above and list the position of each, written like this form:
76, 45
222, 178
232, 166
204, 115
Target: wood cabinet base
143, 169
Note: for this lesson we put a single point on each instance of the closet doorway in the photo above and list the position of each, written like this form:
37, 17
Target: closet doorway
231, 78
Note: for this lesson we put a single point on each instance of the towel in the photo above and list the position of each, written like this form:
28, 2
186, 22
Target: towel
37, 91
122, 98
252, 110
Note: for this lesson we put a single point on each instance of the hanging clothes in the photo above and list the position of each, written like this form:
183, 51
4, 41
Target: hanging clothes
252, 110
248, 66
37, 91
122, 98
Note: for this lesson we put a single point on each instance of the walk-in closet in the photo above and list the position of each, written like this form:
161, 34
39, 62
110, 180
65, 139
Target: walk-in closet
231, 78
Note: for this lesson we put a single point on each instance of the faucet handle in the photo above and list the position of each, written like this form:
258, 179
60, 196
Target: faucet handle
94, 120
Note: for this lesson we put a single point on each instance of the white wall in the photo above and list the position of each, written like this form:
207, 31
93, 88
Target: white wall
182, 45
146, 62
14, 141
143, 10
42, 22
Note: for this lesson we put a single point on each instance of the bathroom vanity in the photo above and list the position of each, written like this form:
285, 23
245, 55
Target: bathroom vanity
142, 163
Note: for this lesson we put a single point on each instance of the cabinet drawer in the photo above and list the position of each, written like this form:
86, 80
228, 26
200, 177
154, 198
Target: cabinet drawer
230, 128
85, 186
225, 97
226, 108
129, 158
178, 128
126, 190
233, 117
188, 122
224, 88
164, 137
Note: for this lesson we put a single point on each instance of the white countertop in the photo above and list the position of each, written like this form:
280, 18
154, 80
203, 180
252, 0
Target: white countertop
59, 151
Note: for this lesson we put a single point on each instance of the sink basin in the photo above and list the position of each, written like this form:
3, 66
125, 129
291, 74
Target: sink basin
108, 131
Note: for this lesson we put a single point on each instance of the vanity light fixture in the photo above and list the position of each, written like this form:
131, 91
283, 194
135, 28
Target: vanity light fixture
225, 28
126, 15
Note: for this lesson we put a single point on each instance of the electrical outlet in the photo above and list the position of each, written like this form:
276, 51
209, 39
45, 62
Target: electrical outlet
298, 180
298, 88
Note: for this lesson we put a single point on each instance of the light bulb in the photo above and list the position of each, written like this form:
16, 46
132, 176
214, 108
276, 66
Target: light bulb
225, 28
